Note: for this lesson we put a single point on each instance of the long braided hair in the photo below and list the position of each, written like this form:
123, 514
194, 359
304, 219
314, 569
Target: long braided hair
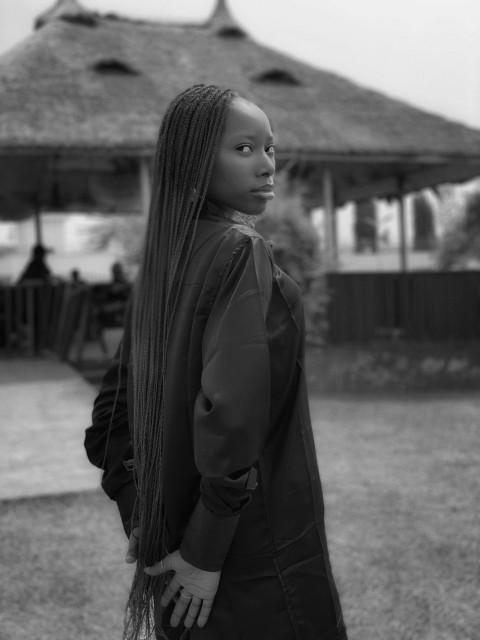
188, 140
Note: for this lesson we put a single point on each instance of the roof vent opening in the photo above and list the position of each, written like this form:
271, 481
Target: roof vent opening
278, 77
231, 32
114, 68
82, 19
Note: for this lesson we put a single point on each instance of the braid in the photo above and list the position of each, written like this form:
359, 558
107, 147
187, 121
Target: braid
186, 149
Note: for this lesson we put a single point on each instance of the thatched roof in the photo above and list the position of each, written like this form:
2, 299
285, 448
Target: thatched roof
90, 83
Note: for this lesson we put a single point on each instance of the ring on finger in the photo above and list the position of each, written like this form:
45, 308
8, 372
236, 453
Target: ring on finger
186, 596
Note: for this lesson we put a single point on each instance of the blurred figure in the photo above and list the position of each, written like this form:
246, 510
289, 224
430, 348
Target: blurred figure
111, 299
29, 305
119, 289
37, 268
76, 279
118, 274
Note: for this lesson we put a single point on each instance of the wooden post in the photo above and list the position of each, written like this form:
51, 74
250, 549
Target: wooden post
329, 212
38, 224
145, 186
403, 234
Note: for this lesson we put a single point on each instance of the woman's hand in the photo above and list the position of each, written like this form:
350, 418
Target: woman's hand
194, 587
132, 552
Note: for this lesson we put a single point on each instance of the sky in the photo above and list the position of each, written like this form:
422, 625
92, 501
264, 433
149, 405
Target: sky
425, 52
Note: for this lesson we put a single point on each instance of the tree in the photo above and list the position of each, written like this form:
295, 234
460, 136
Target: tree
423, 224
365, 226
472, 213
460, 244
296, 248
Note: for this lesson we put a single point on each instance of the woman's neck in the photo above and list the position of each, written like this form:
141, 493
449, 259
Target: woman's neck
219, 212
226, 213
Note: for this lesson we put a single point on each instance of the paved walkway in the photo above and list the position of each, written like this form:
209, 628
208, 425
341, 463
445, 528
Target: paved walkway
45, 406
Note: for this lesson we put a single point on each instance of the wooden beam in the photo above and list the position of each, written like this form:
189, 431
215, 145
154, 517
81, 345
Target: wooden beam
37, 218
351, 158
412, 181
417, 180
379, 188
402, 233
329, 213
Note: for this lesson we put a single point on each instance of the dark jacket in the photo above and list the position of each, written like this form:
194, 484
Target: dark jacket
241, 485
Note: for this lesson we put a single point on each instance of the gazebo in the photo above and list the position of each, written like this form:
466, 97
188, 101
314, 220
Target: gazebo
81, 100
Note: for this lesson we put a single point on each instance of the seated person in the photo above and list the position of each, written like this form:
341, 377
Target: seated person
36, 269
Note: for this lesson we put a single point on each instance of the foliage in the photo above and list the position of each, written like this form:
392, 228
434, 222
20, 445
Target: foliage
472, 213
365, 226
460, 244
423, 223
126, 233
296, 249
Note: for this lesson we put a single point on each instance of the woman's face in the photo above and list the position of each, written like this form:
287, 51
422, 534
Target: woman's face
242, 175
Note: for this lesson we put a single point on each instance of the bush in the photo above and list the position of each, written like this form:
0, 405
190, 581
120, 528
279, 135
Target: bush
460, 245
423, 224
365, 226
297, 252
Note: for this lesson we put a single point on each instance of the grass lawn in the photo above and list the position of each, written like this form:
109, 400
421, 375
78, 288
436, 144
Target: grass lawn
402, 489
401, 482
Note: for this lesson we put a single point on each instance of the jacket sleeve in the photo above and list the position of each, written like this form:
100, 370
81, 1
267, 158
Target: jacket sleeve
107, 440
232, 408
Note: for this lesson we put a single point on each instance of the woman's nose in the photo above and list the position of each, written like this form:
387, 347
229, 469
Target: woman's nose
267, 167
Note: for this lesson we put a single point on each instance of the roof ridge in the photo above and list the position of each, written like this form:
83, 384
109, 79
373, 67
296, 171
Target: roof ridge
222, 22
221, 16
63, 9
75, 11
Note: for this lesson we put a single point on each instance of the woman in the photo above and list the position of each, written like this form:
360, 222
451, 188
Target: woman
219, 492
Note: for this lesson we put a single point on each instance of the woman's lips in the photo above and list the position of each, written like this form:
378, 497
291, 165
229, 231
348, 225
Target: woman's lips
264, 195
265, 192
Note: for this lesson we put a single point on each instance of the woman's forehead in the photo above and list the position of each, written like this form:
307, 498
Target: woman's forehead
246, 117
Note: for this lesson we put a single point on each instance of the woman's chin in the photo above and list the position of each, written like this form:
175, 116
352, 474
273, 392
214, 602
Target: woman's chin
255, 209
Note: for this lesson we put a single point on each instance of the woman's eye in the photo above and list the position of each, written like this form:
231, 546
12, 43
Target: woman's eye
270, 149
245, 148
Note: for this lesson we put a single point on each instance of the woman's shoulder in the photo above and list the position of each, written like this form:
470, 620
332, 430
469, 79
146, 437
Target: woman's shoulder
220, 249
231, 237
246, 244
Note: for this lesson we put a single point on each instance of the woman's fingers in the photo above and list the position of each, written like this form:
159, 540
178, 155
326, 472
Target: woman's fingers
192, 612
195, 608
132, 551
182, 604
204, 612
170, 590
158, 568
192, 590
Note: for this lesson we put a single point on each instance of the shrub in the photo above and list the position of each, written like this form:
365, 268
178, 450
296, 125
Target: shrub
423, 224
459, 247
365, 226
297, 252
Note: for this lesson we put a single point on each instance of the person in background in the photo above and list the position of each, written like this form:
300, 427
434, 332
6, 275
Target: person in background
202, 424
76, 279
36, 268
119, 288
118, 274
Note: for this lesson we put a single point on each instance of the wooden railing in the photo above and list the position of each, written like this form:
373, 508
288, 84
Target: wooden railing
423, 306
58, 319
38, 318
